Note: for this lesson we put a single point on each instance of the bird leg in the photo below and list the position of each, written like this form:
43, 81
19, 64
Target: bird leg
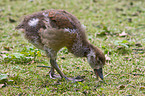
52, 74
54, 65
53, 54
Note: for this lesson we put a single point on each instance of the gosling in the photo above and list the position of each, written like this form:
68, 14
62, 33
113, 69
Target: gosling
51, 30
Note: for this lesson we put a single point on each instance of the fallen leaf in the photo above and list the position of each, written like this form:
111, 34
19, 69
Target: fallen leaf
123, 14
1, 10
7, 48
3, 76
32, 62
121, 87
54, 89
107, 58
3, 55
131, 3
62, 57
130, 20
11, 20
18, 55
80, 77
4, 52
129, 95
76, 89
135, 14
127, 59
129, 28
10, 81
120, 47
1, 85
118, 9
57, 83
142, 88
123, 34
31, 0
138, 49
85, 92
102, 33
138, 45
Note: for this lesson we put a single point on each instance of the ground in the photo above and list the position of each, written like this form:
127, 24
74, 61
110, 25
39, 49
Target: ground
117, 27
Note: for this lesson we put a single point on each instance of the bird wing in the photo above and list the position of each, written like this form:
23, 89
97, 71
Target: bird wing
60, 19
56, 38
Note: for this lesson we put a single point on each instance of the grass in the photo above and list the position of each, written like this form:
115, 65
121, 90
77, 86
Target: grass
105, 20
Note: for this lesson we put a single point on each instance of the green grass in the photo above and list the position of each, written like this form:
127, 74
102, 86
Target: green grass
105, 20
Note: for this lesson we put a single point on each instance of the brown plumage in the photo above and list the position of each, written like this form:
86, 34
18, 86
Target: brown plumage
50, 30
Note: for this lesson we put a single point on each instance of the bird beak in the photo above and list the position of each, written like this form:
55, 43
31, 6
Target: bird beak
19, 26
99, 73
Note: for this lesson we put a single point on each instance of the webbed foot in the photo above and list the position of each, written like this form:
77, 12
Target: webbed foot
73, 80
53, 76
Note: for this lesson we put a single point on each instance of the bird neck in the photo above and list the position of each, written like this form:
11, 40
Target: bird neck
82, 50
91, 49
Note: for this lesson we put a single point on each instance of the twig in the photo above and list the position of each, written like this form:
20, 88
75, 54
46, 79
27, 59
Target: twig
135, 74
43, 66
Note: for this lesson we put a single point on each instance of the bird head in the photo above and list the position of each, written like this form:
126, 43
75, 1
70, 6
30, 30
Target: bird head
22, 24
96, 60
31, 23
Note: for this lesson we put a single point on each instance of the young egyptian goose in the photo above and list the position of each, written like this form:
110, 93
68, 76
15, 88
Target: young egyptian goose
50, 30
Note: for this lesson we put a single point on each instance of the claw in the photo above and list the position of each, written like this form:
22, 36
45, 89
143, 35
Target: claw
53, 76
73, 80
